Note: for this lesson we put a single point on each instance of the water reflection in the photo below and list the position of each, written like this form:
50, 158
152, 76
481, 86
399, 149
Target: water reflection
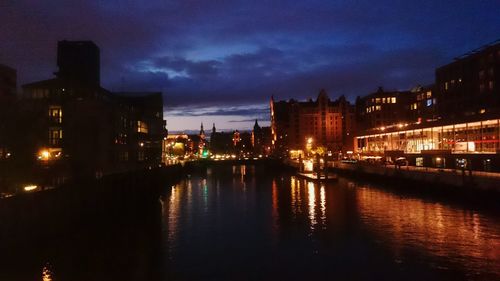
312, 204
460, 236
222, 224
47, 273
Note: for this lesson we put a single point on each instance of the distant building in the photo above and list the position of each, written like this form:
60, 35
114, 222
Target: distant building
221, 142
324, 122
382, 109
79, 129
261, 139
423, 105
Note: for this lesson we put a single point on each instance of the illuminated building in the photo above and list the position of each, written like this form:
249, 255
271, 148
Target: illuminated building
382, 108
423, 105
452, 124
80, 129
330, 123
441, 145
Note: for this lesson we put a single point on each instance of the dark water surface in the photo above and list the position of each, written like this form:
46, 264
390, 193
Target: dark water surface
253, 223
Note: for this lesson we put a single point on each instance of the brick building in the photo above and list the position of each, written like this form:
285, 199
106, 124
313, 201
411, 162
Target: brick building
324, 122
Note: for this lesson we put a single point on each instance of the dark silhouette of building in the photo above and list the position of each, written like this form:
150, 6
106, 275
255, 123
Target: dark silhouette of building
79, 62
8, 88
470, 85
72, 127
261, 139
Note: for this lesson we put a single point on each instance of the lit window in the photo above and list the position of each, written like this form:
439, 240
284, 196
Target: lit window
378, 107
142, 127
55, 136
393, 100
429, 94
55, 113
429, 102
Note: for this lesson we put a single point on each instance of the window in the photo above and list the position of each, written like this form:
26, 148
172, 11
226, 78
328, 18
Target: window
429, 94
429, 102
142, 127
393, 100
55, 114
123, 156
55, 136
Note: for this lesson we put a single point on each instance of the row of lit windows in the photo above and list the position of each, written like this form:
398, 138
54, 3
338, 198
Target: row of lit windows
428, 103
423, 96
384, 100
373, 108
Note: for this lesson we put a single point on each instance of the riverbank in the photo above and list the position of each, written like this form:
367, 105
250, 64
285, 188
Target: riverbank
450, 182
33, 217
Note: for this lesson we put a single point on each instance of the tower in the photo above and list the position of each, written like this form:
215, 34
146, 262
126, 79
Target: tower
79, 62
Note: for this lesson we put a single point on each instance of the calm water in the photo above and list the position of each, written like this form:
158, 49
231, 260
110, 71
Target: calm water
240, 223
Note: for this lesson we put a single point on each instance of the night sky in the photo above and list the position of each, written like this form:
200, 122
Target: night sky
220, 61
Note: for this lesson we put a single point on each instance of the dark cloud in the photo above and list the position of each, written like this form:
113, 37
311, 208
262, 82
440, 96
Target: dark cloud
213, 53
244, 110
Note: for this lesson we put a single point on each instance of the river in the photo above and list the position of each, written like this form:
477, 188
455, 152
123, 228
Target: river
256, 223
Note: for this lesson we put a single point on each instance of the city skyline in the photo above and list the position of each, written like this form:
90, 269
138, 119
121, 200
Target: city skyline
205, 55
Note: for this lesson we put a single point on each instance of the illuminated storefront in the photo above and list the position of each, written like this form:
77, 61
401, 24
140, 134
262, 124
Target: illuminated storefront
469, 145
471, 137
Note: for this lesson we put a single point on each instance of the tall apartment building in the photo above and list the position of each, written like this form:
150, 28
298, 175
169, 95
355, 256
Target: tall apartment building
73, 125
326, 123
470, 85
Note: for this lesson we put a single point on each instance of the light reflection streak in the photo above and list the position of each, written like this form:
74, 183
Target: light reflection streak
173, 215
274, 212
455, 234
46, 273
322, 199
312, 204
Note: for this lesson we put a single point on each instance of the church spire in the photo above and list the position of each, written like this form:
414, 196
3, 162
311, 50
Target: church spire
202, 132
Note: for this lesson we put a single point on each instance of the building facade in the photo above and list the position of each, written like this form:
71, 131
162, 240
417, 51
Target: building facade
470, 84
452, 124
382, 109
326, 123
74, 128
